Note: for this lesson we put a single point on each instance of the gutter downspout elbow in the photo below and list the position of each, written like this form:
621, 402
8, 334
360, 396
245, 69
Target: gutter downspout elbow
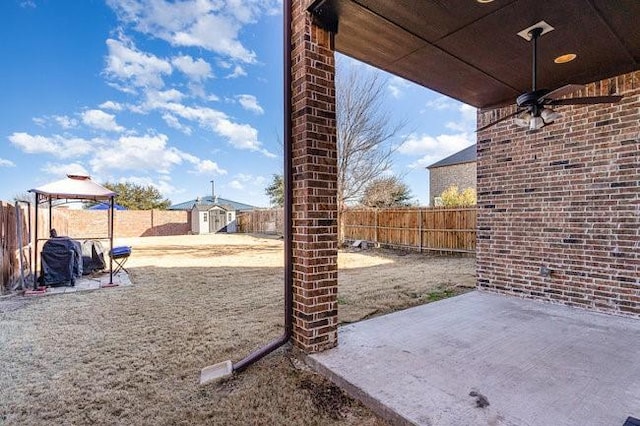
227, 368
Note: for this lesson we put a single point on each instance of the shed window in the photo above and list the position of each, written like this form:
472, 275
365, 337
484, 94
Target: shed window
204, 216
229, 216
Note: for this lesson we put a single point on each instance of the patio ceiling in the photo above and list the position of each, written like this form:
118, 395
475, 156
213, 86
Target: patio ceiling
471, 51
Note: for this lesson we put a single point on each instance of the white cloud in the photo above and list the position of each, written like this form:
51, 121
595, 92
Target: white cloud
162, 183
134, 68
148, 152
442, 103
214, 25
173, 122
6, 163
238, 71
64, 169
39, 121
111, 105
467, 120
434, 148
240, 136
28, 4
397, 85
250, 103
56, 145
101, 120
208, 167
158, 99
65, 122
250, 187
258, 181
234, 184
197, 89
196, 70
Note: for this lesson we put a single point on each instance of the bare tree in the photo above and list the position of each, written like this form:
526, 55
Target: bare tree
365, 129
366, 132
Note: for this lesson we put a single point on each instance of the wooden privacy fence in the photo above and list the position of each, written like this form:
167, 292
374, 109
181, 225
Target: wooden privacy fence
10, 244
440, 229
424, 228
264, 221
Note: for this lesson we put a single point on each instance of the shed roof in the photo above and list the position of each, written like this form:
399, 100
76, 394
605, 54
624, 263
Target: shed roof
467, 155
208, 200
207, 207
75, 187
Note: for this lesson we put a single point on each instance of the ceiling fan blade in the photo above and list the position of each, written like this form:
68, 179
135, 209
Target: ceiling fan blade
493, 123
587, 101
563, 91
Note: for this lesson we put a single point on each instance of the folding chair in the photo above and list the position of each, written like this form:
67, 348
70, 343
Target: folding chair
120, 255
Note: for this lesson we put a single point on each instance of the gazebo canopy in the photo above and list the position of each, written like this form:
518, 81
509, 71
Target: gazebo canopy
74, 187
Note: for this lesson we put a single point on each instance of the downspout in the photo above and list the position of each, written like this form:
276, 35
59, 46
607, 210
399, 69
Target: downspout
288, 201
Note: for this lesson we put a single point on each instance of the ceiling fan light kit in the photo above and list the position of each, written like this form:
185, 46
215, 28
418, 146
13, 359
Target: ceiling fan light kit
534, 108
549, 115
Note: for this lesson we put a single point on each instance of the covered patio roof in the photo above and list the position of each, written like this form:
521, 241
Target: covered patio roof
469, 49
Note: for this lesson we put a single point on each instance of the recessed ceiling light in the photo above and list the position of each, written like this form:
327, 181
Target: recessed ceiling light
563, 59
484, 1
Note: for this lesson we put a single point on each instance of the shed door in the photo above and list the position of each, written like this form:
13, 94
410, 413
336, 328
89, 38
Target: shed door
216, 220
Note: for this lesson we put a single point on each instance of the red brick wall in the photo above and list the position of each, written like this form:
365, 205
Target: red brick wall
128, 223
566, 197
315, 247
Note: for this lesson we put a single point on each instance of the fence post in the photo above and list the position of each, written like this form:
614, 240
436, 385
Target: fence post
420, 226
375, 227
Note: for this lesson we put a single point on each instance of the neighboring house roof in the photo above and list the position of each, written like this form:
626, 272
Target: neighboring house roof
467, 155
209, 201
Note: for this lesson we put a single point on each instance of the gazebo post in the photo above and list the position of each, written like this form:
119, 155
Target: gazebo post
35, 244
111, 209
50, 216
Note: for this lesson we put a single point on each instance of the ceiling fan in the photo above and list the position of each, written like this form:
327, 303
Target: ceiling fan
534, 107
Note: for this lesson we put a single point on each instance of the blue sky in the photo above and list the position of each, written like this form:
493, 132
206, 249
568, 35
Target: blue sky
172, 94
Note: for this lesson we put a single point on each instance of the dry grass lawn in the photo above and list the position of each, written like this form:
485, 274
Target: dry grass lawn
133, 355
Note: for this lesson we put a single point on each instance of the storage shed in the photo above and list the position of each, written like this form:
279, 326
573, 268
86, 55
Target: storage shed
212, 218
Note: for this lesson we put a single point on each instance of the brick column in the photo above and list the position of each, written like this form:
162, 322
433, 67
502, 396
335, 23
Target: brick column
314, 158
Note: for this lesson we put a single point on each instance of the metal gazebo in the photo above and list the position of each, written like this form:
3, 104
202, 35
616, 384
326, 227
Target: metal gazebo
73, 187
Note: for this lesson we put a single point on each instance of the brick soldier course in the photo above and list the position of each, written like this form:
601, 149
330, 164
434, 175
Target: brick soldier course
314, 158
559, 208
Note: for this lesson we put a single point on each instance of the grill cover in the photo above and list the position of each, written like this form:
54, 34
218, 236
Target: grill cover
61, 259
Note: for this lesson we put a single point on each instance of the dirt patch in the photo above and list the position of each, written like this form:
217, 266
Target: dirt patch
327, 397
133, 355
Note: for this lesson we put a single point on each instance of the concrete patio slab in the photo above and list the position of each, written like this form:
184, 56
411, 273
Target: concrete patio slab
534, 363
88, 283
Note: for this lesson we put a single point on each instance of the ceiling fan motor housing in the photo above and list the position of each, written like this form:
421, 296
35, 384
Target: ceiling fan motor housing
531, 98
